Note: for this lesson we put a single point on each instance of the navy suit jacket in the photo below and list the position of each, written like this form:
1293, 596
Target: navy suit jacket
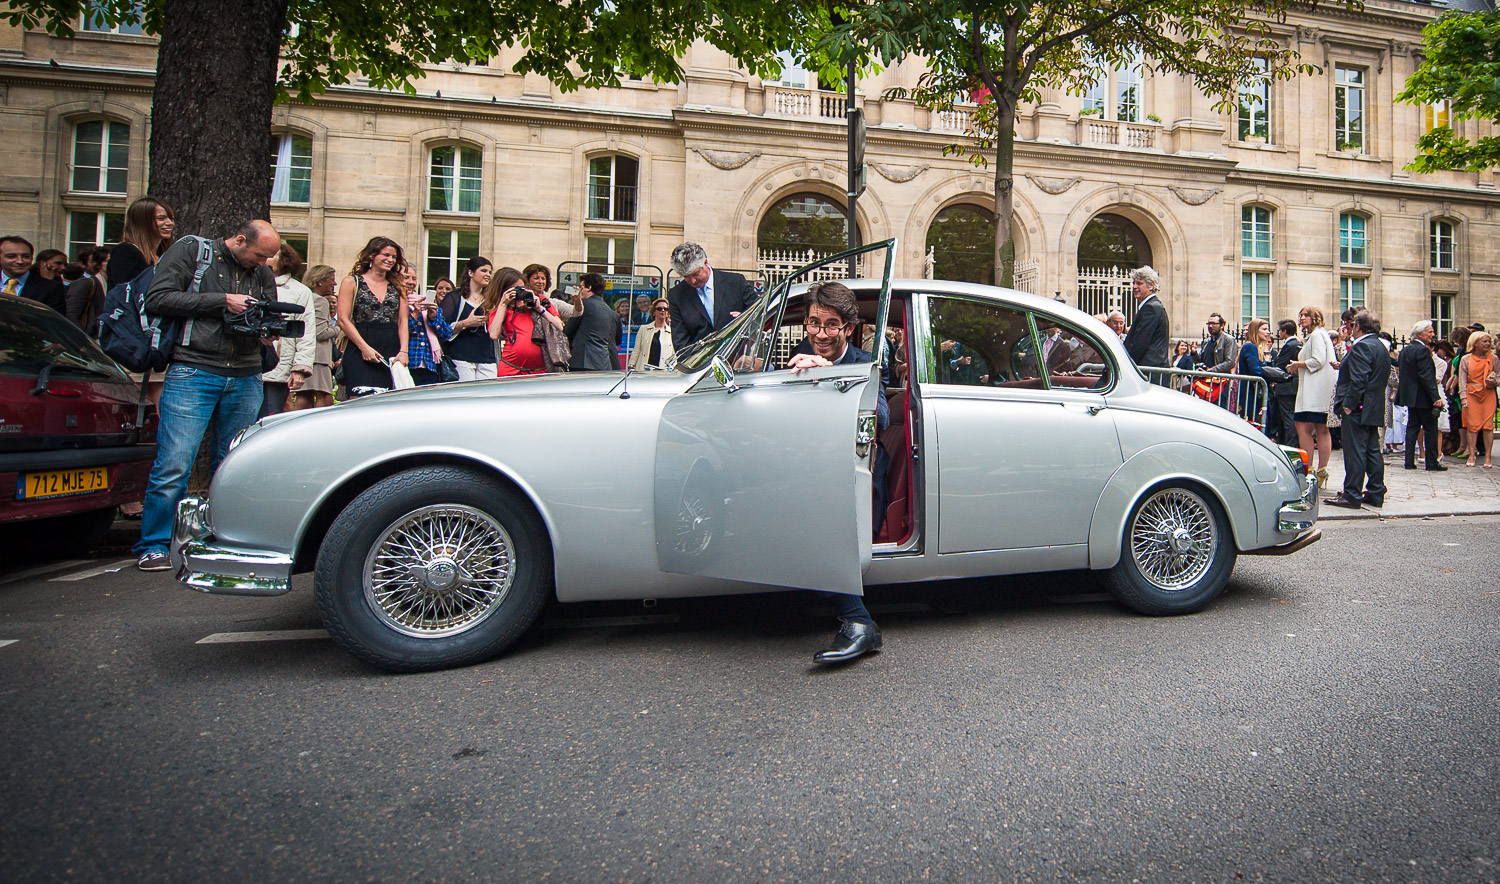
1417, 383
51, 292
732, 294
1363, 376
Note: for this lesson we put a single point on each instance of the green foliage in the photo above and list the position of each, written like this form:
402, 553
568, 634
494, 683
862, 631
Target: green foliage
576, 44
1462, 67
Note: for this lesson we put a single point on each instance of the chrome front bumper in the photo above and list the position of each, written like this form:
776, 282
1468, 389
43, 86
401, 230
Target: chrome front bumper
222, 570
1301, 514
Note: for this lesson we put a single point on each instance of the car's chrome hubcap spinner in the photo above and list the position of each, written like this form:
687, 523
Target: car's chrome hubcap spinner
439, 570
1173, 539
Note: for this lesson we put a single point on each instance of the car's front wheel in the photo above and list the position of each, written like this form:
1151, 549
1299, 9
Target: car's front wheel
432, 568
1176, 555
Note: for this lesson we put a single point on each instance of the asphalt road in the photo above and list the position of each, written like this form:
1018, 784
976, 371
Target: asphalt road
1335, 716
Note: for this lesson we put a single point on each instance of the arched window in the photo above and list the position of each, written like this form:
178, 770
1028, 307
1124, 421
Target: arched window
291, 168
961, 242
803, 222
454, 180
1442, 248
101, 156
1113, 241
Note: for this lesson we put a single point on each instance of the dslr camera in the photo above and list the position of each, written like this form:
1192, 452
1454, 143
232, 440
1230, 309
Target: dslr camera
526, 299
266, 319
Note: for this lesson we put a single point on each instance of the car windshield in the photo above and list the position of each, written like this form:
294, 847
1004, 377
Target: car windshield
701, 353
33, 337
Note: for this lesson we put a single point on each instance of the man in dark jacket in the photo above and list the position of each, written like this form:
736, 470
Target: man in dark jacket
1360, 396
594, 330
214, 375
1146, 341
1279, 425
705, 299
1416, 388
19, 276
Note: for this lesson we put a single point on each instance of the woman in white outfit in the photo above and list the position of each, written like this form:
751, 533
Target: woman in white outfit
1315, 380
296, 355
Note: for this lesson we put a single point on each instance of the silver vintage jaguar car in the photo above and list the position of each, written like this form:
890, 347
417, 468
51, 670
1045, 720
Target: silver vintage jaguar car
1021, 438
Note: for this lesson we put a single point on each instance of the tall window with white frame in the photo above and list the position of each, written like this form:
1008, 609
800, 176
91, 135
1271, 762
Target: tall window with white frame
610, 254
1128, 86
291, 169
1253, 116
86, 229
101, 156
612, 188
1255, 233
793, 74
1117, 92
455, 179
1442, 242
1442, 315
447, 252
94, 21
1255, 296
1434, 116
1349, 108
1354, 254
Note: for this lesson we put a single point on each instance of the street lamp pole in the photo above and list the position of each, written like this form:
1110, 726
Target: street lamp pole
856, 118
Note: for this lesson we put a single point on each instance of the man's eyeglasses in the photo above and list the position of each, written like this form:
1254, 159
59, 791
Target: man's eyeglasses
814, 327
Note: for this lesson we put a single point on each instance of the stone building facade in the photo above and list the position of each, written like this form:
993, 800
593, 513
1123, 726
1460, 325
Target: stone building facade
1300, 196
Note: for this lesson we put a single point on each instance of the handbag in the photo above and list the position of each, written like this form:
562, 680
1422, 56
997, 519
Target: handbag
400, 376
1208, 389
447, 371
1275, 374
1493, 379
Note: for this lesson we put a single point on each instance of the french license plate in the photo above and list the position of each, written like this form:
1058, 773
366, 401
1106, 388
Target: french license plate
61, 483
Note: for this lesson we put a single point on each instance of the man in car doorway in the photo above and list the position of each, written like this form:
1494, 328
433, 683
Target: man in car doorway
832, 313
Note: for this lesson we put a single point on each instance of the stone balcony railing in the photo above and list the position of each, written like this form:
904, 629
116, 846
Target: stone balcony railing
1092, 130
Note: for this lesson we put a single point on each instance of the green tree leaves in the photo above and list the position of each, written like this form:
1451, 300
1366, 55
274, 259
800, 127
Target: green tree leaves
1461, 67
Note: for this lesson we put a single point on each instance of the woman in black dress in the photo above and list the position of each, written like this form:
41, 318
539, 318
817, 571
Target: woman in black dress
372, 315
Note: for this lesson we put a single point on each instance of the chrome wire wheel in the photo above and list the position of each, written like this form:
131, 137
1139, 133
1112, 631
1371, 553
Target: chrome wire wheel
439, 571
1173, 539
694, 528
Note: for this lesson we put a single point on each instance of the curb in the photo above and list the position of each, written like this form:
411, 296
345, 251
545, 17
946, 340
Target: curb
1400, 512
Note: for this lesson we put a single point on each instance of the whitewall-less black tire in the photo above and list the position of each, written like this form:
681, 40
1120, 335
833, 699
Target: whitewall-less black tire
1176, 553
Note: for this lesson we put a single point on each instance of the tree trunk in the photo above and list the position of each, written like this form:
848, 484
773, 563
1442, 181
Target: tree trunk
1005, 206
210, 115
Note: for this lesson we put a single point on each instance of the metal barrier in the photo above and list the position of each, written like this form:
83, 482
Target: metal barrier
1243, 394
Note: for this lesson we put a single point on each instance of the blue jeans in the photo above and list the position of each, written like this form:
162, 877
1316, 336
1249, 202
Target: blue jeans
190, 399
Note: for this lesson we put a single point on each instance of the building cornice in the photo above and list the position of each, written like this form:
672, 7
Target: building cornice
1341, 183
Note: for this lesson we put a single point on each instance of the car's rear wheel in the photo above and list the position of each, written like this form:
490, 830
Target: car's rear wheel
432, 568
1177, 552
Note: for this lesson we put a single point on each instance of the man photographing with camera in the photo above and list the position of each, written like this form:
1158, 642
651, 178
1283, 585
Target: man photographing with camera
214, 371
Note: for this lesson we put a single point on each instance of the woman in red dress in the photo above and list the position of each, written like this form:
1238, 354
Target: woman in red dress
512, 326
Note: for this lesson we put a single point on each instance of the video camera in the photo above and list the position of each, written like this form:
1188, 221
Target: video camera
266, 319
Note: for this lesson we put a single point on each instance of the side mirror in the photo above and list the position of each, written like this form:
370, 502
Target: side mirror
720, 371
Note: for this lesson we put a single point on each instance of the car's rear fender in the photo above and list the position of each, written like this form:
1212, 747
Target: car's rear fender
1166, 463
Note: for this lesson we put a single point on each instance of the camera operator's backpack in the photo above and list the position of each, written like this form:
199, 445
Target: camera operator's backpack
132, 337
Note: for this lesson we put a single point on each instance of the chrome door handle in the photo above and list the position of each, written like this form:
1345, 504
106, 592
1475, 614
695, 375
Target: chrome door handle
1095, 409
864, 434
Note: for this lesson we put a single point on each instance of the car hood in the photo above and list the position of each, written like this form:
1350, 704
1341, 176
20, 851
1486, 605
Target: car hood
591, 383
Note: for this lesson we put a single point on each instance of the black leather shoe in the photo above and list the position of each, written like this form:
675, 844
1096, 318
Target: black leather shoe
1345, 501
853, 640
1376, 502
1409, 466
1437, 469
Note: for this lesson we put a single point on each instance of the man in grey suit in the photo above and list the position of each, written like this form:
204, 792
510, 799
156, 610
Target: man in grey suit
1146, 342
594, 330
705, 299
1360, 395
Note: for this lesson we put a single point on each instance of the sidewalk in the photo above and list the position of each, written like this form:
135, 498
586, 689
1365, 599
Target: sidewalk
1462, 491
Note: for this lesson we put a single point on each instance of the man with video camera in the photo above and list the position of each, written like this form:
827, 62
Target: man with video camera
215, 367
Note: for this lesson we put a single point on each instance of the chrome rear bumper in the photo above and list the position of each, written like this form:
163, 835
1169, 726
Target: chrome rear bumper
207, 567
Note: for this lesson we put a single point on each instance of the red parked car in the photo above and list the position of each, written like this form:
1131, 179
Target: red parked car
75, 442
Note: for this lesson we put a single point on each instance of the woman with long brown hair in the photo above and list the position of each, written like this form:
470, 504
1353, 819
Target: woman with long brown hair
149, 228
513, 323
372, 315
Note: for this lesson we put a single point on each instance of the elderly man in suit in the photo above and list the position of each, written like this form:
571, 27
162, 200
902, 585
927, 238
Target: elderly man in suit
1360, 396
1146, 342
1416, 388
705, 298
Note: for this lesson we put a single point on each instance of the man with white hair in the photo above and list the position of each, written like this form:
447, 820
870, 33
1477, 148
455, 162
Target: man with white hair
1416, 388
705, 299
1116, 321
1147, 341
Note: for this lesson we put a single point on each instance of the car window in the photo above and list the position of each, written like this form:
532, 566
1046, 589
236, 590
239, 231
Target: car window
1073, 359
980, 344
33, 337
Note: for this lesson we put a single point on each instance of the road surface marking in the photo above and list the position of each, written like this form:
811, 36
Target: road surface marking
275, 635
8, 641
44, 569
93, 572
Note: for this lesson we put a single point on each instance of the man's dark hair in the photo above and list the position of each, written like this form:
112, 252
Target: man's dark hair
1348, 315
1216, 316
834, 296
20, 239
72, 272
1368, 323
251, 232
96, 256
594, 281
1287, 327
